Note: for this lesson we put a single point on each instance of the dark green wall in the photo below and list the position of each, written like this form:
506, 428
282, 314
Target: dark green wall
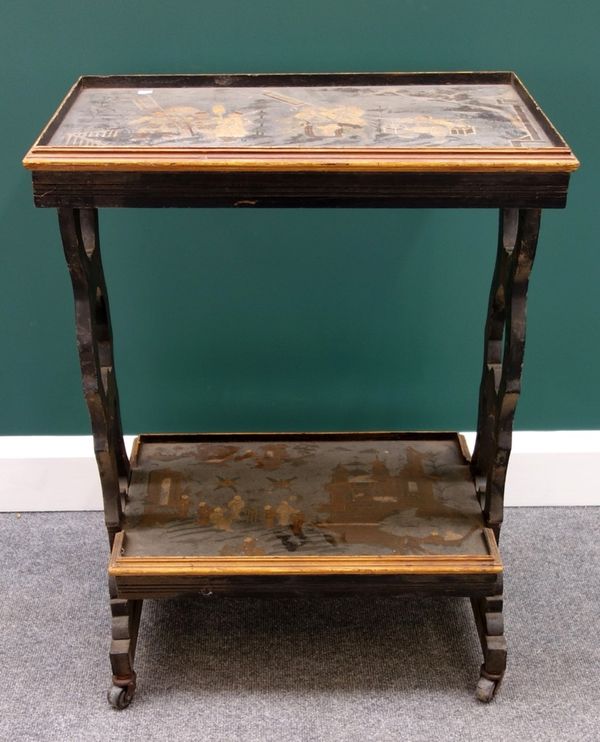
296, 319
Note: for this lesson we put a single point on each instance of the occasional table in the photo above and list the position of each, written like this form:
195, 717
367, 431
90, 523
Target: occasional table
289, 514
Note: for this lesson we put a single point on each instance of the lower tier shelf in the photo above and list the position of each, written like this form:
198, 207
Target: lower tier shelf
288, 504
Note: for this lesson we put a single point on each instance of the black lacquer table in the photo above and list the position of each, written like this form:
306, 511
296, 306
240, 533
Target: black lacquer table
297, 513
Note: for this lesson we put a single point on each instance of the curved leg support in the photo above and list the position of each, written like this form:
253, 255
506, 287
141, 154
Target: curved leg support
79, 231
125, 624
504, 348
490, 626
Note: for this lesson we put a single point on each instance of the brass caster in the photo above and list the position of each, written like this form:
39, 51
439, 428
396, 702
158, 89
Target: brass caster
120, 698
486, 689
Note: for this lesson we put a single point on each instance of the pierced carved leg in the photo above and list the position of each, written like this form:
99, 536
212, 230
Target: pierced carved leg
490, 626
504, 348
79, 231
125, 624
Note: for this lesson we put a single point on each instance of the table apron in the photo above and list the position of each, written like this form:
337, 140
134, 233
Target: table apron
299, 585
77, 189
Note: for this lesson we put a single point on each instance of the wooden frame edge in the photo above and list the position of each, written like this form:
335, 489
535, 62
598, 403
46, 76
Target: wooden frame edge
182, 566
299, 435
558, 158
57, 116
132, 159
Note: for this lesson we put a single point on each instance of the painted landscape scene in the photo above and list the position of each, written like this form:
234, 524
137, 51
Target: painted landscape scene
250, 498
386, 116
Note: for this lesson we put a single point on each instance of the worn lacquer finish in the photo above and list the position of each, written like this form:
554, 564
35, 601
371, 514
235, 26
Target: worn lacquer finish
331, 116
354, 122
297, 513
303, 498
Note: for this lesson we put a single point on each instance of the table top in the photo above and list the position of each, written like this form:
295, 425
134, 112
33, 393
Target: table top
408, 122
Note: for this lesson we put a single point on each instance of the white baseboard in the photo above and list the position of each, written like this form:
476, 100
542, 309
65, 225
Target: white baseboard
49, 473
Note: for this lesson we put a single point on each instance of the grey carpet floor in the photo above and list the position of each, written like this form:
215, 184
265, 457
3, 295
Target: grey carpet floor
339, 669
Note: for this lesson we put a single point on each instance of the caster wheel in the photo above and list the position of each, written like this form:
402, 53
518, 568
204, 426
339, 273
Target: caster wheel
485, 689
119, 698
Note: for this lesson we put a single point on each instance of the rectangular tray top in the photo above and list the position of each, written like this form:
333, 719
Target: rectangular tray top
380, 503
392, 121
